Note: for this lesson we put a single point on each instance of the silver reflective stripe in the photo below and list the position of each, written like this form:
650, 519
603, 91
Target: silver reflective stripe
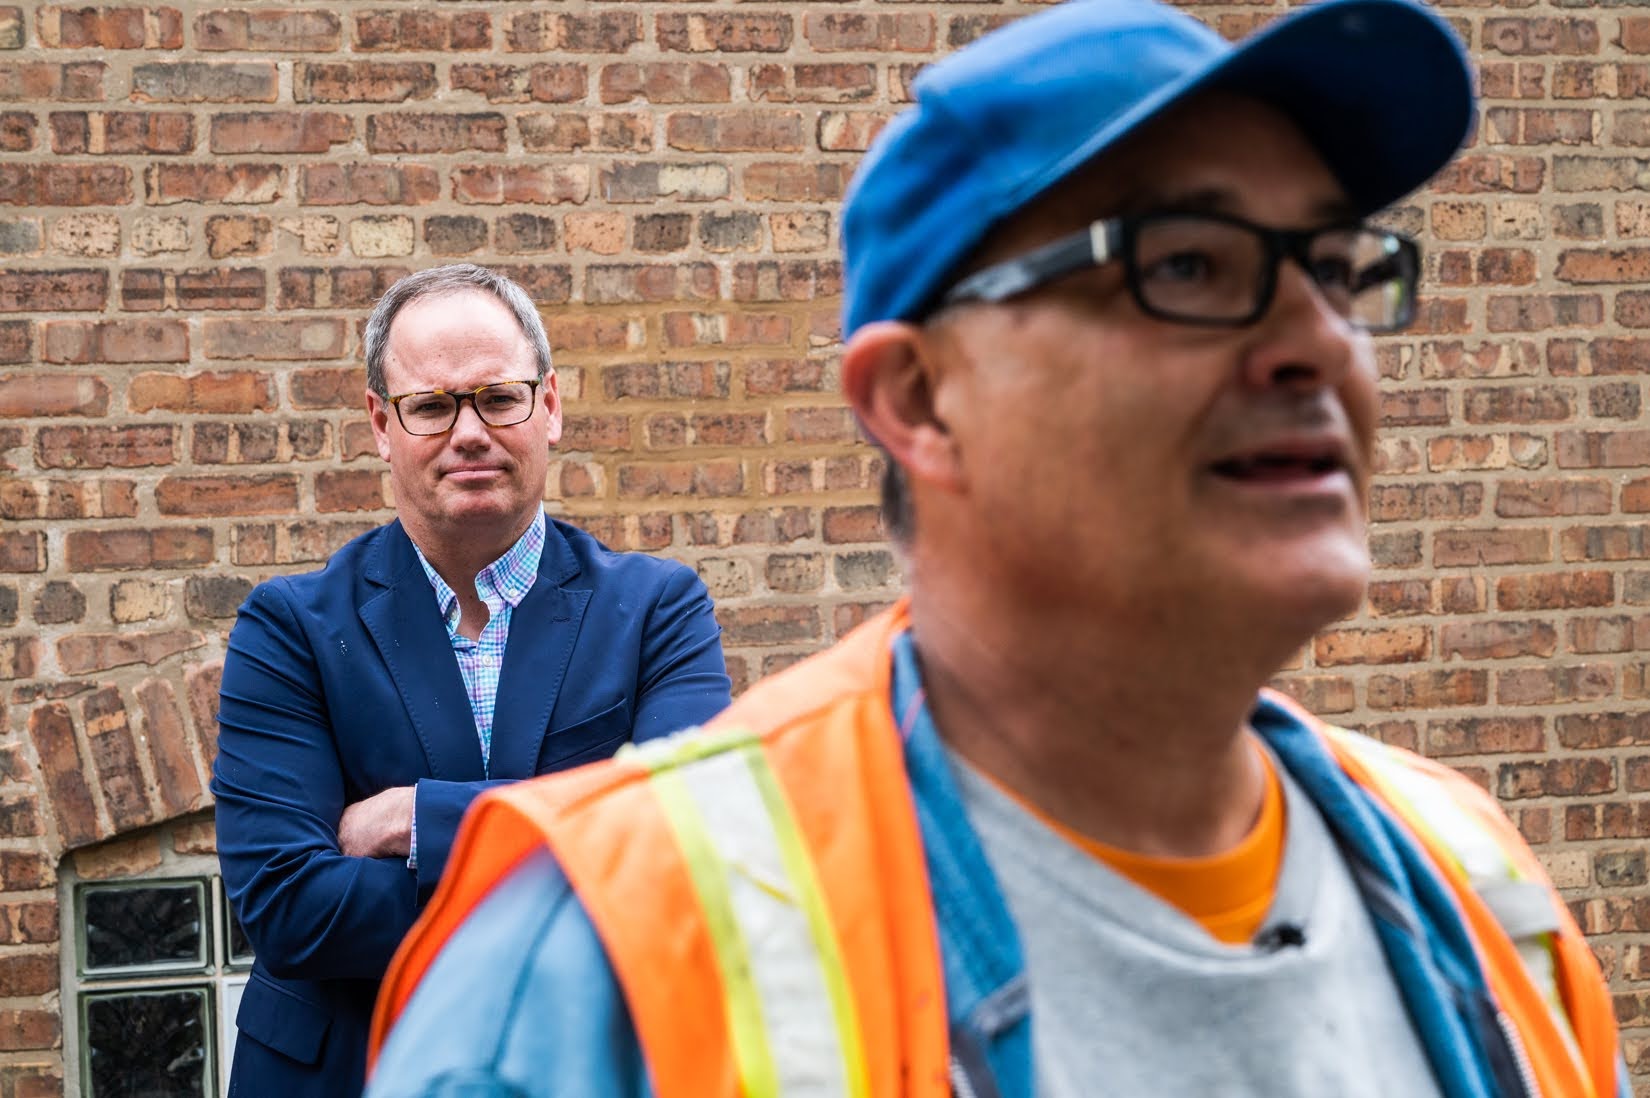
784, 965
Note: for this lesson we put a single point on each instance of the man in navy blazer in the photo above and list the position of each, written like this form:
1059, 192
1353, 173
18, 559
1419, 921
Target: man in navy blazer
471, 642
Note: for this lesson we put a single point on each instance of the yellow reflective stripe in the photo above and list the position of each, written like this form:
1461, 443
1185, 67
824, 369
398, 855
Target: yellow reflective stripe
799, 867
790, 1010
752, 1056
1478, 854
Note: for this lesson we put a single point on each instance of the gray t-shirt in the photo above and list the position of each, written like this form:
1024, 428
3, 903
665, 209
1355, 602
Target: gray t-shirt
1131, 998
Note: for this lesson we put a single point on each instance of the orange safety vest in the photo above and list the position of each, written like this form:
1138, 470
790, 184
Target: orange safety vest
777, 877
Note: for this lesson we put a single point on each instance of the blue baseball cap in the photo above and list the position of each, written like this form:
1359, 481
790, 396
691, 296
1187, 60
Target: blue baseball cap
1380, 88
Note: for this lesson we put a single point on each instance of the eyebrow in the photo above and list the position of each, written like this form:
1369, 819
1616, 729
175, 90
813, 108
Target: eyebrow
1221, 200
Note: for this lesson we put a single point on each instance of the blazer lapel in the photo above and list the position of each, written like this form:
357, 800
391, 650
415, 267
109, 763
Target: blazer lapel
543, 627
405, 622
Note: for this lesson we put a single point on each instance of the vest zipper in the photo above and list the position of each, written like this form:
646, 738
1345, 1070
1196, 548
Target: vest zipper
961, 1085
1515, 1044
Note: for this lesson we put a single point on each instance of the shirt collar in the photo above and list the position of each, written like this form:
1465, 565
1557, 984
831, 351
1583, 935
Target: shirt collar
511, 575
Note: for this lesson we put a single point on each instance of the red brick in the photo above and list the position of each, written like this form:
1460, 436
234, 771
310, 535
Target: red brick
113, 28
275, 339
28, 973
78, 342
129, 549
636, 283
65, 184
29, 1030
735, 131
1598, 357
205, 82
649, 181
723, 32
149, 290
210, 496
768, 625
16, 342
225, 393
368, 184
122, 133
546, 83
1403, 644
335, 287
1630, 542
166, 184
1541, 36
1399, 502
905, 32
796, 182
1471, 548
1431, 689
129, 447
1555, 778
72, 82
1486, 173
178, 782
1539, 126
1496, 640
597, 32
1548, 685
22, 551
709, 479
364, 82
1591, 731
109, 736
1485, 735
265, 31
1555, 591
51, 728
58, 291
352, 490
422, 31
666, 82
67, 499
34, 394
531, 183
279, 132
1524, 404
436, 133
16, 131
1603, 449
1551, 497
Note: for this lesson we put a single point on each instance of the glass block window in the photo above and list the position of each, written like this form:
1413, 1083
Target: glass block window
160, 964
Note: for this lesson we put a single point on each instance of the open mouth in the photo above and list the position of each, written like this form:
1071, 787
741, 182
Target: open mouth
1279, 466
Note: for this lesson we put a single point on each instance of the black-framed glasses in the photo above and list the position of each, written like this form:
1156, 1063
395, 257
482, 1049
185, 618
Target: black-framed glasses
501, 404
1214, 269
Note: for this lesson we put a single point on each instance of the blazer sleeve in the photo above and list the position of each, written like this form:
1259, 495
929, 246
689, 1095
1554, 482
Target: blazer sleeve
311, 912
683, 676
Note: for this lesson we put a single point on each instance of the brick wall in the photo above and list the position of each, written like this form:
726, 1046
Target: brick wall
198, 205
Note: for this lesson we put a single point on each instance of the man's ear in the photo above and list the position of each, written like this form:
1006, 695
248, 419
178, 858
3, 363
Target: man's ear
379, 412
889, 378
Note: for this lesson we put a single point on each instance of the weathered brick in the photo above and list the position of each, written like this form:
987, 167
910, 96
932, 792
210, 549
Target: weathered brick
279, 132
166, 184
147, 290
81, 447
423, 31
723, 32
65, 184
112, 28
71, 82
128, 548
596, 32
277, 339
122, 133
368, 184
435, 133
205, 82
363, 82
78, 342
666, 82
59, 291
265, 31
561, 82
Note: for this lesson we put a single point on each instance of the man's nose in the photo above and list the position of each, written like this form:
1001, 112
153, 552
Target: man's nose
1302, 341
468, 426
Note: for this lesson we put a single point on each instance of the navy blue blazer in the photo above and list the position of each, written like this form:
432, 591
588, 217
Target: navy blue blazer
341, 683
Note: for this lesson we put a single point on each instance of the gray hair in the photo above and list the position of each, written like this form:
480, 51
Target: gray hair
434, 282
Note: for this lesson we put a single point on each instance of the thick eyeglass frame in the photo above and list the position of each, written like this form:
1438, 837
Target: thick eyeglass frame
458, 404
1115, 238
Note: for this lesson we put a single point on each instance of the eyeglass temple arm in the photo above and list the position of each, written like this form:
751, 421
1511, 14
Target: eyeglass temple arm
1089, 247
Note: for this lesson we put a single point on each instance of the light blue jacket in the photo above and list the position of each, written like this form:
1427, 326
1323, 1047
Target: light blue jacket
522, 1002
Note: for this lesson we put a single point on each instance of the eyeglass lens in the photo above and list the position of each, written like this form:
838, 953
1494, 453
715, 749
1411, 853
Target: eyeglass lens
498, 405
1198, 268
